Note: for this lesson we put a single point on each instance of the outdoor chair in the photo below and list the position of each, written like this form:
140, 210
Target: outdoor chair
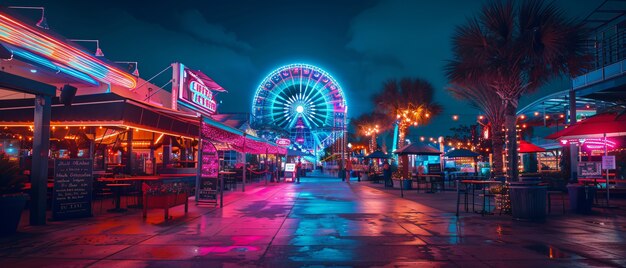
101, 192
556, 189
461, 189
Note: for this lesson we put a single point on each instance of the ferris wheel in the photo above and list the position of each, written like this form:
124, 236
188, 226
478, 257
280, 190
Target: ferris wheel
300, 102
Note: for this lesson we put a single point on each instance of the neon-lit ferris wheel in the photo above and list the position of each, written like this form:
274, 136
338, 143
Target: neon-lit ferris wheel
300, 102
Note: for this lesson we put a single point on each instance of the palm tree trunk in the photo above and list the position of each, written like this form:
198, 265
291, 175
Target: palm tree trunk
402, 129
509, 121
373, 143
497, 143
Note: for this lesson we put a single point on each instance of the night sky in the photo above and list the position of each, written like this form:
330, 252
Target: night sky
237, 43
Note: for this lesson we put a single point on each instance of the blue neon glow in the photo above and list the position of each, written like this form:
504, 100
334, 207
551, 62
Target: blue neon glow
50, 65
302, 100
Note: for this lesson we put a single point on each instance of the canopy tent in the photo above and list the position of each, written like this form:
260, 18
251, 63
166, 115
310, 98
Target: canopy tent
527, 147
417, 149
599, 126
604, 125
461, 153
378, 154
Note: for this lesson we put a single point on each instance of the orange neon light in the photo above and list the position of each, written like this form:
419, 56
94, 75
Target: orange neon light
23, 36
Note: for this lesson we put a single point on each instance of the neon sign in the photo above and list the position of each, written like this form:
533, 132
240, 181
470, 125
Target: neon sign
283, 142
196, 94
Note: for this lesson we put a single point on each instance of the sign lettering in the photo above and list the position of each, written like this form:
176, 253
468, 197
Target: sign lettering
73, 183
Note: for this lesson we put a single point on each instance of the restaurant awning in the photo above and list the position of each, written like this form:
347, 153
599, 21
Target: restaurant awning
609, 124
417, 149
240, 141
102, 110
461, 153
527, 147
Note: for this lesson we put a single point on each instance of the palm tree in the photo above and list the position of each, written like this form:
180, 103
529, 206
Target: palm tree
369, 125
483, 98
515, 49
408, 102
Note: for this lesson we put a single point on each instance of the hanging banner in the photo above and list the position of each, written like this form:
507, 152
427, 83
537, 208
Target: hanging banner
73, 183
206, 186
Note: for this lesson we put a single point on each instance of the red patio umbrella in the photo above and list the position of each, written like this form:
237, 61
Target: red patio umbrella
609, 124
527, 147
599, 126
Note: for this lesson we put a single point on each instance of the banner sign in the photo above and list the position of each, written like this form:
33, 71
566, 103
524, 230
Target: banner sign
209, 168
608, 162
434, 168
73, 184
196, 92
589, 169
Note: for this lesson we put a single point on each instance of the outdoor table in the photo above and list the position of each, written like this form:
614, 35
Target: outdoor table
28, 185
118, 194
141, 180
187, 163
116, 168
432, 178
473, 184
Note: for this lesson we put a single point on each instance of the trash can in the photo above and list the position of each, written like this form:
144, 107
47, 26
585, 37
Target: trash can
581, 198
528, 200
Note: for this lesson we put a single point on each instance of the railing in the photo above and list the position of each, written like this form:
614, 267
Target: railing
609, 57
593, 77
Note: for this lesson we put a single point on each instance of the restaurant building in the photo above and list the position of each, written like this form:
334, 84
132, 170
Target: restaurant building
60, 101
599, 91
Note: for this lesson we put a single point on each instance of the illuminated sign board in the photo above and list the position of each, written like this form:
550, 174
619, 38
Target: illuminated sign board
290, 167
283, 142
196, 94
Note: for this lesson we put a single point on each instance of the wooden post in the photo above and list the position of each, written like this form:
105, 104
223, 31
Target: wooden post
39, 170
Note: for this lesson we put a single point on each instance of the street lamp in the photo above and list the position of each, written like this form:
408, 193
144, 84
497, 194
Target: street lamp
136, 71
98, 50
43, 22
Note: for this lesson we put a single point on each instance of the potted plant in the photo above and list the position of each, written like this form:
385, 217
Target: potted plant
12, 199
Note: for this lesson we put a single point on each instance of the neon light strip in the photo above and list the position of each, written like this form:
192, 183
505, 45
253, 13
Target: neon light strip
18, 34
55, 67
98, 124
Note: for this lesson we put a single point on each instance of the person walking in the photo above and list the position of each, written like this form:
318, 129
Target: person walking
348, 170
298, 169
387, 174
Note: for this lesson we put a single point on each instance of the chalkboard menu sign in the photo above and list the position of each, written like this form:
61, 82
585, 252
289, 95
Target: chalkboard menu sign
73, 184
434, 168
588, 169
209, 167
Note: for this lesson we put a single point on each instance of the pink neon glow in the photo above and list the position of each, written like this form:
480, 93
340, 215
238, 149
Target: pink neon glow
236, 141
24, 36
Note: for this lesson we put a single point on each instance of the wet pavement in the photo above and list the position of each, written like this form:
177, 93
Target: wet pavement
322, 222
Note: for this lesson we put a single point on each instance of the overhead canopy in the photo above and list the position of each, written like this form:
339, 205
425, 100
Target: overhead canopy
461, 153
101, 110
609, 124
378, 154
238, 140
110, 109
527, 147
417, 149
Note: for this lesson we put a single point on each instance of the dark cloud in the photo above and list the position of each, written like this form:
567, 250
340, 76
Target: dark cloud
194, 23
